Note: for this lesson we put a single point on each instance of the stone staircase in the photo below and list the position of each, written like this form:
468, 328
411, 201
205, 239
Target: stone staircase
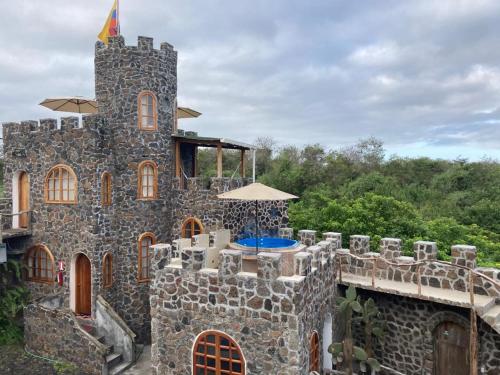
114, 360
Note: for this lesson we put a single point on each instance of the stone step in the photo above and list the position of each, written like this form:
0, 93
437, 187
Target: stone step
102, 340
139, 348
113, 360
120, 368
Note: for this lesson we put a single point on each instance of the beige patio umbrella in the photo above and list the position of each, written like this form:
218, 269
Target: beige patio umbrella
184, 112
257, 192
75, 104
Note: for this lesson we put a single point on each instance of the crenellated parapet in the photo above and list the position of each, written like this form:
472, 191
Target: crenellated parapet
262, 292
33, 133
390, 264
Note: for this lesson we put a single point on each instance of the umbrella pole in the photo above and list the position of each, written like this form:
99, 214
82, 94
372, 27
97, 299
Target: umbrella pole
256, 227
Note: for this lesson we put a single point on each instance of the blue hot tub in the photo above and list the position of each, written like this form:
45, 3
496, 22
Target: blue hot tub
268, 243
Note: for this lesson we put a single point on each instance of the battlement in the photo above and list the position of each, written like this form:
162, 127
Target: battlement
144, 44
14, 131
267, 293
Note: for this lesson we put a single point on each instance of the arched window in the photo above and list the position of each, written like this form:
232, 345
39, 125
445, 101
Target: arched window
145, 241
107, 270
314, 352
106, 189
216, 353
61, 185
148, 180
147, 114
191, 227
40, 264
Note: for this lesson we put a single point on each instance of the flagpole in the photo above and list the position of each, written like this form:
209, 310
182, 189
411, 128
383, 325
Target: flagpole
118, 15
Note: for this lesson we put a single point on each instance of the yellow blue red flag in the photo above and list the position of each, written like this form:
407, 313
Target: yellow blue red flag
112, 25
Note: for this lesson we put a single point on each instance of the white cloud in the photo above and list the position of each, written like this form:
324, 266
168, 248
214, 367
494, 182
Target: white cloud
303, 72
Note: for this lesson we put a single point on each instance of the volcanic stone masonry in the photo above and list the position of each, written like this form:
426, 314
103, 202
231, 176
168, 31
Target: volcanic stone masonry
270, 316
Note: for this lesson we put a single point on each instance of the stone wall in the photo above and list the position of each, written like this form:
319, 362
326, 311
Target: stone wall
271, 317
435, 274
54, 333
66, 229
408, 346
201, 202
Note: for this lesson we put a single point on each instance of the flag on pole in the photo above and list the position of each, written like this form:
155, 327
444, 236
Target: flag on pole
112, 25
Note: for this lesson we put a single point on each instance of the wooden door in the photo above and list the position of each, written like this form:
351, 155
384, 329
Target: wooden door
451, 350
83, 286
24, 193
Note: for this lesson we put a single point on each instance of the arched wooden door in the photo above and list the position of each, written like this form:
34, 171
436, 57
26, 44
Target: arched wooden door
24, 198
451, 350
83, 286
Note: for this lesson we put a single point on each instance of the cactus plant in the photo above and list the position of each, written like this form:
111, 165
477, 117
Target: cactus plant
346, 351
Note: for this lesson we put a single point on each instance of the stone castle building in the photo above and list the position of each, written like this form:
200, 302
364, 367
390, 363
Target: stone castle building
125, 245
95, 196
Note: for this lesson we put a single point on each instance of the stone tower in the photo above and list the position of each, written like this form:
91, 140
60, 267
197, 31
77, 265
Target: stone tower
122, 73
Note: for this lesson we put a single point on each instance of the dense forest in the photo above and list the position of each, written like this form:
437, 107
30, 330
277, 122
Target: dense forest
361, 190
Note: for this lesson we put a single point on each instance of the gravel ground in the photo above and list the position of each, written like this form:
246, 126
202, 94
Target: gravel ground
14, 361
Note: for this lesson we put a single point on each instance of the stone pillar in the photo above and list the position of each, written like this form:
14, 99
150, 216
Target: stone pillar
315, 252
47, 124
463, 255
285, 233
302, 263
335, 238
390, 248
424, 250
268, 266
359, 245
68, 123
230, 263
193, 258
161, 254
307, 237
27, 126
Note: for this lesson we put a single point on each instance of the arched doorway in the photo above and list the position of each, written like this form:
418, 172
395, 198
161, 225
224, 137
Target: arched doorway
83, 285
191, 227
451, 349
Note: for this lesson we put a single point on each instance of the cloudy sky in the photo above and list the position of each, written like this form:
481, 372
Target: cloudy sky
423, 76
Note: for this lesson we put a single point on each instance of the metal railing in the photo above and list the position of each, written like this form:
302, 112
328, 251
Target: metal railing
10, 226
418, 264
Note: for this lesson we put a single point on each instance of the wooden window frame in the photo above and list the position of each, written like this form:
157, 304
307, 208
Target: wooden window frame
49, 264
106, 189
148, 256
201, 340
139, 180
191, 221
140, 114
314, 352
72, 174
107, 270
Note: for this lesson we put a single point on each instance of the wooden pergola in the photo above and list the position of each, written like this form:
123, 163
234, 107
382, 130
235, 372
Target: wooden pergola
186, 141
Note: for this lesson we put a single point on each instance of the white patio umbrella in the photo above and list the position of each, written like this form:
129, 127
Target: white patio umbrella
257, 192
75, 104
